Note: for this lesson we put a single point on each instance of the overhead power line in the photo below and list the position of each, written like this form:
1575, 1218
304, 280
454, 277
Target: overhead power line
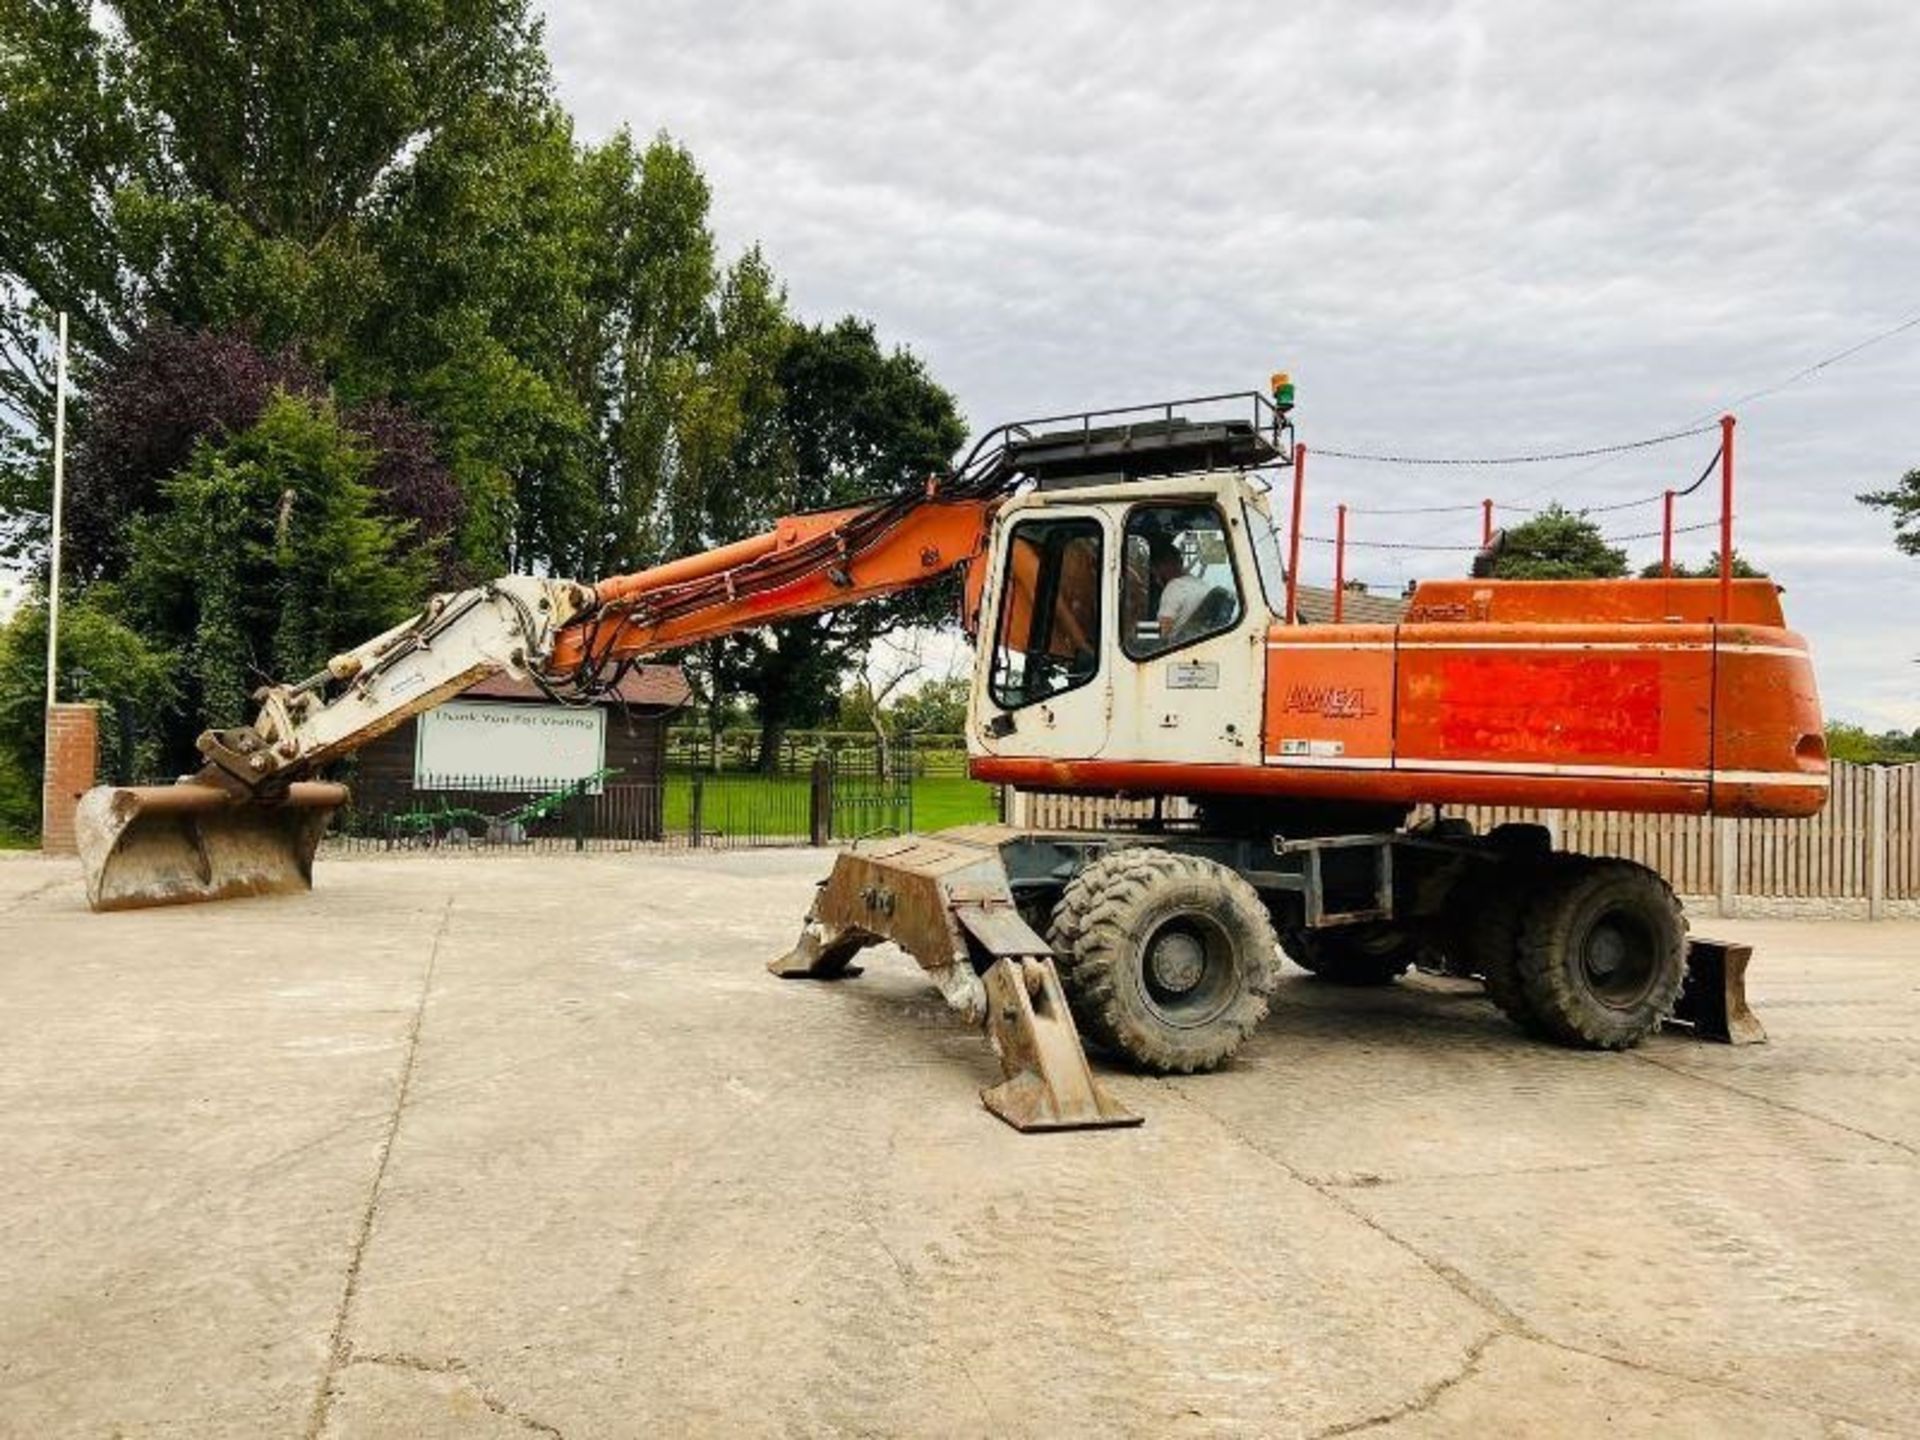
1912, 322
1602, 454
1325, 452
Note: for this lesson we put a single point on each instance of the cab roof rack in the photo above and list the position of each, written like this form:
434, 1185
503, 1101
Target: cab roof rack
1244, 430
1140, 452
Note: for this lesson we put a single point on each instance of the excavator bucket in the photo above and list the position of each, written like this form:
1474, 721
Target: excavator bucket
191, 841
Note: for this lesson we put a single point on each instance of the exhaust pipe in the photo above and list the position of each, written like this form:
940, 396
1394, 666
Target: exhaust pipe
182, 843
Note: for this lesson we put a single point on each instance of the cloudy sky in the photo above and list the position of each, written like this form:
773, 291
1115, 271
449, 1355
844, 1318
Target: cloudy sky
1467, 229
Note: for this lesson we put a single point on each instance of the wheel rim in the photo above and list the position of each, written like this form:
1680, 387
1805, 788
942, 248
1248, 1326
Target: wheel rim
1617, 959
1187, 972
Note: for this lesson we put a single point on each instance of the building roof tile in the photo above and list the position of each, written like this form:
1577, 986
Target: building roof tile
1361, 608
659, 687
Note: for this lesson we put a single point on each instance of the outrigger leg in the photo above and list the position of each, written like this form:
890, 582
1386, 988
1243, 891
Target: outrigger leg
944, 899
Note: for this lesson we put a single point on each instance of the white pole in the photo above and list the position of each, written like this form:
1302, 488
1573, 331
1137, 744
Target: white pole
59, 495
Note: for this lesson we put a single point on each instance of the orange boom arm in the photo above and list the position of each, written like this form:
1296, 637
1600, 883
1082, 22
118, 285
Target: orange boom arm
805, 564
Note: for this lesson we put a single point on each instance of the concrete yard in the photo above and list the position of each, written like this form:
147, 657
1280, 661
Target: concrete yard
486, 1146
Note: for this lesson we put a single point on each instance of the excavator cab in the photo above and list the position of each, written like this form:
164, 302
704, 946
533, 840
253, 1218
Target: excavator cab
1128, 624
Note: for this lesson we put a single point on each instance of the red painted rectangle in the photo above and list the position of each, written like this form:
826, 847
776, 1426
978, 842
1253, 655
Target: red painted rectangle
1564, 708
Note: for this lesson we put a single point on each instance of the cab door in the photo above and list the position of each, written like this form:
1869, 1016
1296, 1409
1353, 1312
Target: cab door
1042, 678
1189, 668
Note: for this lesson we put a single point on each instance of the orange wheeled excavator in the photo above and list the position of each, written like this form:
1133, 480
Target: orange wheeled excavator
1124, 586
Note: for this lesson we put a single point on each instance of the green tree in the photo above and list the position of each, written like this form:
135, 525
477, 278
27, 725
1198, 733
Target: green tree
938, 707
73, 143
857, 421
661, 267
1709, 569
215, 163
547, 306
101, 659
1556, 544
1860, 746
267, 558
482, 323
731, 447
383, 196
1903, 503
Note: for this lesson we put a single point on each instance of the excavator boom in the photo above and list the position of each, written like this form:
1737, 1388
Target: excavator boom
248, 822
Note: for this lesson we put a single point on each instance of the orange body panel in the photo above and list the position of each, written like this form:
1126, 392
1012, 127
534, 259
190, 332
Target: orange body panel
1330, 694
1754, 602
1519, 698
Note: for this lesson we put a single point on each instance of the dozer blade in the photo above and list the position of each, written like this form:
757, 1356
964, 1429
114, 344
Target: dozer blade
183, 843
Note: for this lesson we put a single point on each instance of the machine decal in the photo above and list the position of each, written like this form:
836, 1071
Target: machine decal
1330, 702
1327, 749
1193, 675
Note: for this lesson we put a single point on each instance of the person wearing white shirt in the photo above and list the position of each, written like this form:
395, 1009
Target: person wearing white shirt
1180, 593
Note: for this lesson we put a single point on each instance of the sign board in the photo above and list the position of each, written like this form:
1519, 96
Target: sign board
1193, 675
495, 743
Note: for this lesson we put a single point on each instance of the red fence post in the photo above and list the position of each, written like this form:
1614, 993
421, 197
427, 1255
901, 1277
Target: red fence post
1293, 542
1666, 540
1726, 518
1339, 563
1486, 523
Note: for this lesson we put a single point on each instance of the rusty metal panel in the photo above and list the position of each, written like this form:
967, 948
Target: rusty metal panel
999, 930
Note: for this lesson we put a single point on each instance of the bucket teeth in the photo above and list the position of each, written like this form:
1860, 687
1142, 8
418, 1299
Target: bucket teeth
179, 844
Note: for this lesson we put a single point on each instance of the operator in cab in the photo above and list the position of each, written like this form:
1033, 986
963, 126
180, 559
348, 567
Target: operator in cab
1180, 594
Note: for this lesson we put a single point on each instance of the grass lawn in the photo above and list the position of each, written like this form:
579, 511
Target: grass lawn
746, 804
952, 801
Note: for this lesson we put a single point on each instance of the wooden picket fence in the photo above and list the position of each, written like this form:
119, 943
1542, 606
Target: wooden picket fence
1864, 846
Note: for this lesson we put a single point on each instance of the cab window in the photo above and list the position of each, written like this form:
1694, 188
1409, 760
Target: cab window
1177, 584
1048, 637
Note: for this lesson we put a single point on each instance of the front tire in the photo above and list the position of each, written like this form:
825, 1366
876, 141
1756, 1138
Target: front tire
1602, 954
1168, 959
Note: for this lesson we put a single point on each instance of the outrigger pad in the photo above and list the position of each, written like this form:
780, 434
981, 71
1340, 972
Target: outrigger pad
945, 900
1049, 1085
1713, 1003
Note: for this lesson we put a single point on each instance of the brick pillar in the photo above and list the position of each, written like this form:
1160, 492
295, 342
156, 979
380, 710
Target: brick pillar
73, 756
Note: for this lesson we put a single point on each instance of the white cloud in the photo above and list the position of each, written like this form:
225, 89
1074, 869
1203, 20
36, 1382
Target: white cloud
1466, 228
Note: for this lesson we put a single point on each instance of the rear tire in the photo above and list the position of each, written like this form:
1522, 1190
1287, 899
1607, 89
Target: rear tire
1602, 954
1353, 955
1494, 942
1493, 933
1167, 959
1484, 928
